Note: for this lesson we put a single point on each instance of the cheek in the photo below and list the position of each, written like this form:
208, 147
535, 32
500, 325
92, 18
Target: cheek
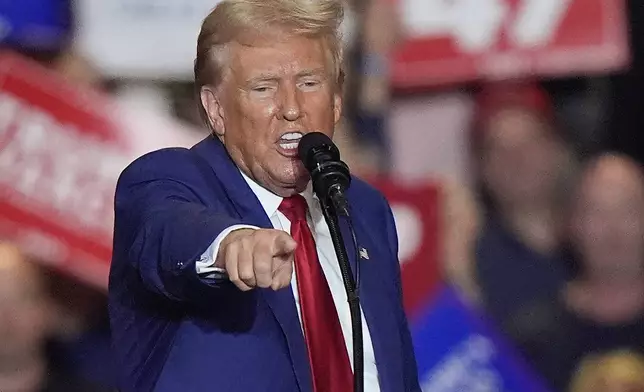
323, 108
267, 109
630, 229
252, 125
26, 325
257, 117
583, 230
593, 225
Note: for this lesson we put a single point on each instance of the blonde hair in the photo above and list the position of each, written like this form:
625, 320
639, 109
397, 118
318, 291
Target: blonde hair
245, 20
623, 366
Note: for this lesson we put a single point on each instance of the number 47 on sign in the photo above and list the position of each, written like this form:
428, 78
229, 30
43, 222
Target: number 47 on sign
477, 24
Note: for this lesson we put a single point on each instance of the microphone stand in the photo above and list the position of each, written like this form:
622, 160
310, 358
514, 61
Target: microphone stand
333, 207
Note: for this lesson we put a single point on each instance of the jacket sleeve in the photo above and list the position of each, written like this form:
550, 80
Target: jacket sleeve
166, 216
409, 360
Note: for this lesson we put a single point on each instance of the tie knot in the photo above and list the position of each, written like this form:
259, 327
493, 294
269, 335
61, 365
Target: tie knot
294, 208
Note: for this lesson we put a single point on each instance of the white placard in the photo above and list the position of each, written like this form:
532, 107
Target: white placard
141, 38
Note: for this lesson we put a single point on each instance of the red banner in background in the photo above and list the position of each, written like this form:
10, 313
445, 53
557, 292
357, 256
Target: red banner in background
463, 40
59, 162
416, 209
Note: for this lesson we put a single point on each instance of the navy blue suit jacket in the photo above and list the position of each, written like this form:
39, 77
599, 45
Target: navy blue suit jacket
173, 331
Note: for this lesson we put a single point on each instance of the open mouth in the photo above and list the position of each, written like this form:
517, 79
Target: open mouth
289, 141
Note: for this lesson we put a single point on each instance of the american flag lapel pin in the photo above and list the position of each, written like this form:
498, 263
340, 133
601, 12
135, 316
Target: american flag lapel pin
363, 253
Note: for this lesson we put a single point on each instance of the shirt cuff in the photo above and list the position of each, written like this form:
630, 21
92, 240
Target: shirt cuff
206, 263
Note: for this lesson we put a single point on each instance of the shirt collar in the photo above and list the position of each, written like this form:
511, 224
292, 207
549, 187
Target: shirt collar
270, 202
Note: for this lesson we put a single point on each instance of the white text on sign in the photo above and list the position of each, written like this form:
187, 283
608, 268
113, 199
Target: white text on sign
478, 25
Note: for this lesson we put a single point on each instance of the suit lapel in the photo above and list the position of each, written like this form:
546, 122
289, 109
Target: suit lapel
282, 302
378, 303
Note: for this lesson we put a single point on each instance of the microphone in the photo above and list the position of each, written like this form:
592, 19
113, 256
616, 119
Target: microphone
330, 176
331, 179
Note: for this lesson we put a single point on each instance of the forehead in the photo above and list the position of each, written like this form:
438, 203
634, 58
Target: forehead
514, 125
612, 180
281, 57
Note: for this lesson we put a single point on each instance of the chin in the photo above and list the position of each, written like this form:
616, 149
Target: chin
295, 173
288, 181
298, 181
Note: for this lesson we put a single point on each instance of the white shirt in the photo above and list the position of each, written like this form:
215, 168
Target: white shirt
328, 260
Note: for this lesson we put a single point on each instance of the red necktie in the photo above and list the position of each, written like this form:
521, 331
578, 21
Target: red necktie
330, 366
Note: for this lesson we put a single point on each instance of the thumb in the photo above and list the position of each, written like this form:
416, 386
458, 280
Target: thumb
284, 244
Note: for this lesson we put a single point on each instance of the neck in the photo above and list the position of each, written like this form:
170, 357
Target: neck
22, 373
535, 224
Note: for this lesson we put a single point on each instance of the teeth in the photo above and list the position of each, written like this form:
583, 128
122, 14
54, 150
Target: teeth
290, 141
292, 136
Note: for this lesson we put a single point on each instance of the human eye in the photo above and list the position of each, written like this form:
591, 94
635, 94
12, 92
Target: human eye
310, 84
262, 90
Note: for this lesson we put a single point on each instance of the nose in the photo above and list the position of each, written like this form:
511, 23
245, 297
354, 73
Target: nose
291, 106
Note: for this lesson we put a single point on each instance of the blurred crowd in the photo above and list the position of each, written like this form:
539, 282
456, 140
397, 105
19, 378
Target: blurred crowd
554, 255
547, 241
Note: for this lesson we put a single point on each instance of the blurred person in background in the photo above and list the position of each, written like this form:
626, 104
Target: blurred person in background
78, 337
371, 29
461, 218
80, 342
620, 371
602, 308
25, 326
522, 162
77, 70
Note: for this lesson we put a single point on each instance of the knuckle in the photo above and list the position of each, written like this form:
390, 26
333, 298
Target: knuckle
257, 237
246, 242
265, 243
259, 234
260, 248
246, 275
225, 248
280, 235
233, 246
246, 271
262, 268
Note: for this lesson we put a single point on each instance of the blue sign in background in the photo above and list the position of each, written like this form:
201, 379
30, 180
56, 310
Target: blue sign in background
458, 351
35, 24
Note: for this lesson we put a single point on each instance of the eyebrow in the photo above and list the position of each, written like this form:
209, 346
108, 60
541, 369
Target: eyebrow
312, 72
264, 77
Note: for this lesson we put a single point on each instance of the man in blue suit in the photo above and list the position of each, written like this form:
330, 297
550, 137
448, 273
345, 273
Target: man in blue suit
240, 201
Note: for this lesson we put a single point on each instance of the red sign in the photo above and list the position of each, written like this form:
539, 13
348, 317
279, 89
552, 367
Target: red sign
59, 162
416, 212
455, 41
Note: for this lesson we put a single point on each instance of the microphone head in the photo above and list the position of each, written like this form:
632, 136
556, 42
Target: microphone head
313, 144
330, 176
